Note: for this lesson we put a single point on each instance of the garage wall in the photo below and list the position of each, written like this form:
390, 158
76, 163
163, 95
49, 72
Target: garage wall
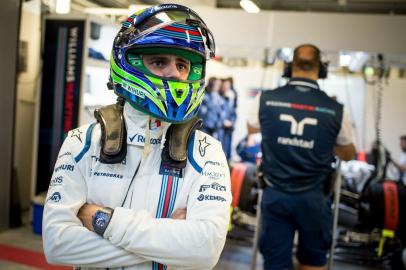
335, 32
27, 87
9, 22
241, 34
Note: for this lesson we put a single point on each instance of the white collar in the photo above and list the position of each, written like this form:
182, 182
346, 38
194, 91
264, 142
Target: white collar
137, 122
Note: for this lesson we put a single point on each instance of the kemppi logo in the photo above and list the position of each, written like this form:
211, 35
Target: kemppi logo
297, 128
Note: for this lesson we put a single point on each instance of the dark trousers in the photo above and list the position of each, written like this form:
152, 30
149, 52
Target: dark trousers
309, 213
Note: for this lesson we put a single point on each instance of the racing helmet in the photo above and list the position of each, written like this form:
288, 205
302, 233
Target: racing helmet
163, 29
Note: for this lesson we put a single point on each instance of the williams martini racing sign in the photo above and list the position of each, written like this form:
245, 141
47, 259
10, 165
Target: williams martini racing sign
60, 91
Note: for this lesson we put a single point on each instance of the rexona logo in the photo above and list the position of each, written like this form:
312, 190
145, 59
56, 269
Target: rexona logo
65, 167
57, 181
210, 198
55, 197
215, 186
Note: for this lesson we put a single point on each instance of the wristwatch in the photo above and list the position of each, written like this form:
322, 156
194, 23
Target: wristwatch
101, 220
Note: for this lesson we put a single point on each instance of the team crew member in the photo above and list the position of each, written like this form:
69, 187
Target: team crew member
301, 127
126, 198
401, 165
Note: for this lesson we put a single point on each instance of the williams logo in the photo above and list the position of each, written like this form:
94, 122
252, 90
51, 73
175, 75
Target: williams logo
210, 198
138, 92
56, 197
166, 169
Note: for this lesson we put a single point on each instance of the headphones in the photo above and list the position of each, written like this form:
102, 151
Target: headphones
323, 66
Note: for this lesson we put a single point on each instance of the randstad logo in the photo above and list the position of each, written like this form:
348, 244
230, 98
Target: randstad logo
297, 128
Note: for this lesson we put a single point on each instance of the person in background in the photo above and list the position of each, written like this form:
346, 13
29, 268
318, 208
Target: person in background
302, 129
230, 114
249, 148
211, 109
401, 165
231, 80
142, 189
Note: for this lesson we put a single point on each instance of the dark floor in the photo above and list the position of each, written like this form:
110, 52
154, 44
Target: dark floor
236, 255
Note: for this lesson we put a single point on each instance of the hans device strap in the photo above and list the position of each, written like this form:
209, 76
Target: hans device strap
174, 153
113, 133
114, 144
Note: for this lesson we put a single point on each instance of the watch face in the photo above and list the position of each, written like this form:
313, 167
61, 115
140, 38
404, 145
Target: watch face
100, 220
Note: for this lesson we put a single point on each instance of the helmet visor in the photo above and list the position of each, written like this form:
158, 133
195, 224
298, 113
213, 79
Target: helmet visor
196, 71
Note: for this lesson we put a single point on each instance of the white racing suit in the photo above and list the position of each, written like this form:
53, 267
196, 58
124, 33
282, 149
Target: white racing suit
141, 234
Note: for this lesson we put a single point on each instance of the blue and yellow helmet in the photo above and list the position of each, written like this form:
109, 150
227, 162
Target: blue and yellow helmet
163, 29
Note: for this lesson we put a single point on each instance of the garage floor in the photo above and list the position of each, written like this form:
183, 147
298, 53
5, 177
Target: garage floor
20, 249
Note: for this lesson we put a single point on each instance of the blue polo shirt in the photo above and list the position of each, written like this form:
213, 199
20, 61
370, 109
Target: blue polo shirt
299, 126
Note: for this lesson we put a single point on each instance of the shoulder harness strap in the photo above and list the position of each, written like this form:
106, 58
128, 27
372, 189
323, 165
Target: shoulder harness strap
113, 133
177, 137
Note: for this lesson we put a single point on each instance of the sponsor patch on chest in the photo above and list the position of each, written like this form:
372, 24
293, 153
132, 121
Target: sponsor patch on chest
167, 169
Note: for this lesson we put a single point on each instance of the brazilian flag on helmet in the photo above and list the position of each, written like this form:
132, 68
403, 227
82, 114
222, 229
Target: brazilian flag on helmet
164, 29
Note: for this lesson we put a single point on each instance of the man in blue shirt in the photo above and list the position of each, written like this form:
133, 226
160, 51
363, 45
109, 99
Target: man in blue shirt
302, 129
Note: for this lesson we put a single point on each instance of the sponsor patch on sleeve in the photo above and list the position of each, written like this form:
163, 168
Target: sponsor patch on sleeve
214, 185
55, 197
203, 197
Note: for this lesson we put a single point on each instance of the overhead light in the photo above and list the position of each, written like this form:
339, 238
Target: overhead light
342, 2
358, 60
62, 6
285, 54
249, 6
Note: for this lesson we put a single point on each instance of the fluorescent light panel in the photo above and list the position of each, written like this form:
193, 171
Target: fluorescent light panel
62, 6
249, 6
